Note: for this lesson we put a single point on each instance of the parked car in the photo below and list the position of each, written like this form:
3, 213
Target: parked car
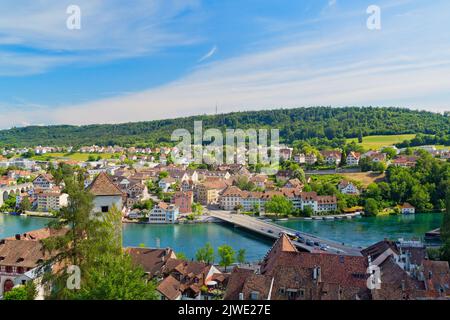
316, 243
323, 247
309, 243
269, 231
301, 239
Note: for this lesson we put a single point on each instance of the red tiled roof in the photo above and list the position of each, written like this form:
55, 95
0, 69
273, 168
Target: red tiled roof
104, 186
170, 288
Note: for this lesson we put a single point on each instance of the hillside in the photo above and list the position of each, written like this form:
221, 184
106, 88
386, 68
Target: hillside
313, 124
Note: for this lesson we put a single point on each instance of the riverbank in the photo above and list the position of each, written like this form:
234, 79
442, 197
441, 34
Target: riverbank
187, 238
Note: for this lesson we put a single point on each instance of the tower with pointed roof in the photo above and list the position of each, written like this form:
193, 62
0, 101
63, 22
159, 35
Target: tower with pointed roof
106, 194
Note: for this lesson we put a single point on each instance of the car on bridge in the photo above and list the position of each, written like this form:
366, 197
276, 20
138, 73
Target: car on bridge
309, 243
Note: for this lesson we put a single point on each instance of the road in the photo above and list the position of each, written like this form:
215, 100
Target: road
273, 230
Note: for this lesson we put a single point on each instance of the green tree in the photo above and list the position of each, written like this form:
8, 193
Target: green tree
93, 242
241, 256
360, 137
279, 205
227, 256
420, 198
23, 292
163, 174
181, 256
205, 254
390, 152
25, 205
308, 211
371, 207
115, 277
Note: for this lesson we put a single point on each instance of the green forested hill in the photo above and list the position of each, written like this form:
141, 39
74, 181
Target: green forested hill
314, 124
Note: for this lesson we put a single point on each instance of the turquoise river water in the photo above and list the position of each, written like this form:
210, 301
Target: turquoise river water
188, 238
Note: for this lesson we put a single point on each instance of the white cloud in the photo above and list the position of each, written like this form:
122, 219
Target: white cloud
109, 30
339, 67
209, 54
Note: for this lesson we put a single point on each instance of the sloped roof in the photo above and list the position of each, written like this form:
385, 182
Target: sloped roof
151, 260
170, 288
40, 234
104, 186
236, 282
22, 253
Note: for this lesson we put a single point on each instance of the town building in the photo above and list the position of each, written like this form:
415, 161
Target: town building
51, 200
164, 213
166, 183
300, 158
44, 181
207, 192
232, 197
332, 157
178, 279
407, 208
21, 259
405, 273
353, 158
183, 200
310, 159
106, 194
404, 161
288, 274
347, 187
375, 156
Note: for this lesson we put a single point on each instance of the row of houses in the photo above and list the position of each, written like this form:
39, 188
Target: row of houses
233, 197
385, 271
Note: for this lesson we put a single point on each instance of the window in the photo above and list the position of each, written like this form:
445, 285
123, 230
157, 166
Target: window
292, 294
254, 295
104, 208
301, 293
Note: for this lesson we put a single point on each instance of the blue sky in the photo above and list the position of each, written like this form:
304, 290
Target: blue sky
155, 59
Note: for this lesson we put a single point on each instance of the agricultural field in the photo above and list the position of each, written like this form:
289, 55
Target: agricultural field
362, 179
365, 178
377, 142
77, 156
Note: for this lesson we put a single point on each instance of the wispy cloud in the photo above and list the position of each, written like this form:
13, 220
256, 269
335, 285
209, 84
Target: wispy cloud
344, 65
209, 54
36, 32
332, 3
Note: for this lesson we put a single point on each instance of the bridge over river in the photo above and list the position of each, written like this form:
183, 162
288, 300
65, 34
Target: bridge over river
7, 191
273, 230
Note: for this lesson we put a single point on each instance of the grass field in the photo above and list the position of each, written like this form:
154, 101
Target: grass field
72, 156
365, 178
377, 142
361, 178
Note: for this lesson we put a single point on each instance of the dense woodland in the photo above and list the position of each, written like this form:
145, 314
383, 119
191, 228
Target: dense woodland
317, 125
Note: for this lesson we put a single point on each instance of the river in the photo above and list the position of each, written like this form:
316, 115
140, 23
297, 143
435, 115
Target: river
188, 238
